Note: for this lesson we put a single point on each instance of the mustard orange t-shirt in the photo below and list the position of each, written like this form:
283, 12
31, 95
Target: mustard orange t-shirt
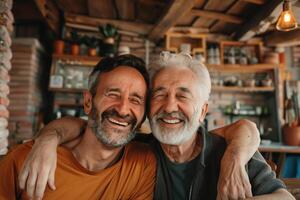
132, 177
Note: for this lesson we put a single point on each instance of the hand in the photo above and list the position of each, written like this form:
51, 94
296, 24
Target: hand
39, 167
233, 180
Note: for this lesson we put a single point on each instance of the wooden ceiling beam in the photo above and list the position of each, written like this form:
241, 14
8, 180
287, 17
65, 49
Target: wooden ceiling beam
189, 29
140, 28
102, 9
258, 2
283, 38
50, 13
176, 10
126, 9
217, 15
246, 31
153, 3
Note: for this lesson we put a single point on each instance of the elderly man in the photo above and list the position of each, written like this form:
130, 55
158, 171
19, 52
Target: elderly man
187, 158
100, 166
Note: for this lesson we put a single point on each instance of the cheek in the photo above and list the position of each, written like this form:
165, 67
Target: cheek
154, 108
139, 112
188, 110
102, 104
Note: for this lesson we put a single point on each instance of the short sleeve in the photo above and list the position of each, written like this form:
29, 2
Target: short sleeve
9, 178
263, 180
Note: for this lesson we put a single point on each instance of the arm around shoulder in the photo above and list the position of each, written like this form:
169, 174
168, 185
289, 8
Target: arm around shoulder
280, 194
40, 164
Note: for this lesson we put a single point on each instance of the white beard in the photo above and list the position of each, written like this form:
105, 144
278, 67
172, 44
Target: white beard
177, 136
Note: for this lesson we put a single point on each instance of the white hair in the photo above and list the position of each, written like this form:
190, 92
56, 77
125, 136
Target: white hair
183, 60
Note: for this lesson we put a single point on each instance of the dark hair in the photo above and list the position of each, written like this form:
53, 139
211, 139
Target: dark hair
108, 64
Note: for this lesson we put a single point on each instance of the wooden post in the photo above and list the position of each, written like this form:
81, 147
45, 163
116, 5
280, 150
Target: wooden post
5, 66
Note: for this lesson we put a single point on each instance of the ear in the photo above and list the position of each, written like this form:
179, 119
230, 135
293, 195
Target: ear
87, 102
204, 111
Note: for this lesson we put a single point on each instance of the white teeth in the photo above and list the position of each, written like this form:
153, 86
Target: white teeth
117, 122
171, 121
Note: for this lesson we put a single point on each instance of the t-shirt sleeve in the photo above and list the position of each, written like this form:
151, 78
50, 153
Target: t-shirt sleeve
147, 179
8, 178
263, 180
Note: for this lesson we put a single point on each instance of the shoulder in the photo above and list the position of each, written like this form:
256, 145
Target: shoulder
17, 154
139, 151
263, 179
20, 150
215, 143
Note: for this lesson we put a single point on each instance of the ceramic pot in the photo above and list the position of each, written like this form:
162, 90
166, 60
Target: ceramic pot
291, 135
75, 49
92, 52
59, 47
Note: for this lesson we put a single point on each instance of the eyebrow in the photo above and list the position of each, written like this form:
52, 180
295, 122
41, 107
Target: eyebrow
185, 90
158, 89
118, 90
137, 95
112, 90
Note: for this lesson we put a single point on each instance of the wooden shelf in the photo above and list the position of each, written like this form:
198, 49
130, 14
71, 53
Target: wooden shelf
86, 60
242, 89
70, 90
263, 67
246, 115
196, 41
76, 57
64, 104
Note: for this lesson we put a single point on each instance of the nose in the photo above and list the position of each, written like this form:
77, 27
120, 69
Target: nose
123, 107
170, 104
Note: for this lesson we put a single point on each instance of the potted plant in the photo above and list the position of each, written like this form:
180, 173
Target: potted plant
92, 44
111, 38
75, 41
291, 130
59, 43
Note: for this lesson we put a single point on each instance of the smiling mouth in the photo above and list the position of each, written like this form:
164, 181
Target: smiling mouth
118, 123
171, 121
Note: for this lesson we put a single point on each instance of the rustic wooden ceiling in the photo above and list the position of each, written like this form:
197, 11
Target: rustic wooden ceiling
240, 19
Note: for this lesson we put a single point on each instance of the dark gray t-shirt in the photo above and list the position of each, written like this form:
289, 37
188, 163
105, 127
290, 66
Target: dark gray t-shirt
181, 176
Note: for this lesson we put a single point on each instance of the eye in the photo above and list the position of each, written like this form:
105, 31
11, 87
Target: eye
113, 95
182, 97
136, 100
158, 96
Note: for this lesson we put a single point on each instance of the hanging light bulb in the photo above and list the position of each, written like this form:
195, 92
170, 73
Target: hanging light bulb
286, 20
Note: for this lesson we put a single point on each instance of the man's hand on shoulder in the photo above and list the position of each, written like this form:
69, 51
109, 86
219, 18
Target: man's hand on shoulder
233, 180
39, 166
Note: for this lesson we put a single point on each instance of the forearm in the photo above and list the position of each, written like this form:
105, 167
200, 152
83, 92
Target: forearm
242, 138
62, 130
280, 194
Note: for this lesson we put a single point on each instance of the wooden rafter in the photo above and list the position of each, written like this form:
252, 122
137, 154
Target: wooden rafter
217, 15
140, 28
189, 29
126, 9
215, 26
102, 9
264, 12
175, 11
283, 38
258, 2
50, 12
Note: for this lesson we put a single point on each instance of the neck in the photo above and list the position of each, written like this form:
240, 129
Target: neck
184, 152
93, 155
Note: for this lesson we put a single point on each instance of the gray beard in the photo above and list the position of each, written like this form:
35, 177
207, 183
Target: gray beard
95, 123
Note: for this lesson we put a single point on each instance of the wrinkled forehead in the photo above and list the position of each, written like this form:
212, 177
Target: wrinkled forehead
123, 78
175, 77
